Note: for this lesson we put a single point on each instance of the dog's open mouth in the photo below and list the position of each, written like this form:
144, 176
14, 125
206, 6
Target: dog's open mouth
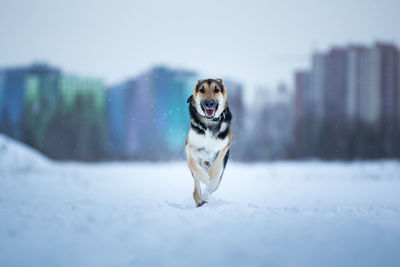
209, 107
210, 112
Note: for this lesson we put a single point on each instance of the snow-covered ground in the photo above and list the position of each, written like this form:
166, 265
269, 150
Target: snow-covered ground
141, 214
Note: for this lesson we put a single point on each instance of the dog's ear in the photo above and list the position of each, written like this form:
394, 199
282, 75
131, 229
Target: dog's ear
219, 80
190, 99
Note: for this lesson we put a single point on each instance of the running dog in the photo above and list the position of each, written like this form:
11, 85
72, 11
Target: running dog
210, 136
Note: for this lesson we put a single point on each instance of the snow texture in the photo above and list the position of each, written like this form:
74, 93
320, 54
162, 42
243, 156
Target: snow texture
142, 214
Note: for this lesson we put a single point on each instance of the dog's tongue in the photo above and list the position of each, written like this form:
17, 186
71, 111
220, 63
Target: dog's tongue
210, 112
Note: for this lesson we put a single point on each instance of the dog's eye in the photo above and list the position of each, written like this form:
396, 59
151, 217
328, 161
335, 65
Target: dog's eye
216, 90
202, 90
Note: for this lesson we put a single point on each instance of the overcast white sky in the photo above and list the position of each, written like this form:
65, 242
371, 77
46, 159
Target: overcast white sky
255, 42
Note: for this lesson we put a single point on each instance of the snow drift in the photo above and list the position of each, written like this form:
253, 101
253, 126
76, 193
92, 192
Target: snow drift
19, 157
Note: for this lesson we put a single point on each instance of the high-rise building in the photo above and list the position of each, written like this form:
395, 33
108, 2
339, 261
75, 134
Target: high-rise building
236, 103
303, 112
397, 131
74, 88
142, 115
237, 108
81, 125
120, 120
158, 113
357, 80
303, 95
335, 85
1, 98
370, 96
182, 84
355, 101
389, 86
389, 83
317, 85
13, 103
40, 103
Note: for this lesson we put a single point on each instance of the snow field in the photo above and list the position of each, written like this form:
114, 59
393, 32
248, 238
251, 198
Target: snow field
142, 214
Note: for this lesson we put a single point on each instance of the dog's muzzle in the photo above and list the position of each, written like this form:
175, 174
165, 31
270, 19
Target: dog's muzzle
209, 107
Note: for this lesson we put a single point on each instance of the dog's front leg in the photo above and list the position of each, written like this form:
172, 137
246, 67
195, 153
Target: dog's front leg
198, 197
199, 174
218, 162
215, 181
215, 172
197, 171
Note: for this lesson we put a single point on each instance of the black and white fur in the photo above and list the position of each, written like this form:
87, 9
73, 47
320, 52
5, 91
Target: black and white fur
207, 147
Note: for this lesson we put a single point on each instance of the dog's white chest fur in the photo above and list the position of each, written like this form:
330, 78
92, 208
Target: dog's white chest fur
204, 147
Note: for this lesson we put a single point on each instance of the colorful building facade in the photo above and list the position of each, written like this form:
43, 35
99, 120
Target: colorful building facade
122, 128
13, 101
40, 103
73, 117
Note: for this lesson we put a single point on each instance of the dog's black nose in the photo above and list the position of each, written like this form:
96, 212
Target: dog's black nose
209, 103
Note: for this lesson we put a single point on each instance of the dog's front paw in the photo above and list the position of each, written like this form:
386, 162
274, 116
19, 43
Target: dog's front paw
201, 203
